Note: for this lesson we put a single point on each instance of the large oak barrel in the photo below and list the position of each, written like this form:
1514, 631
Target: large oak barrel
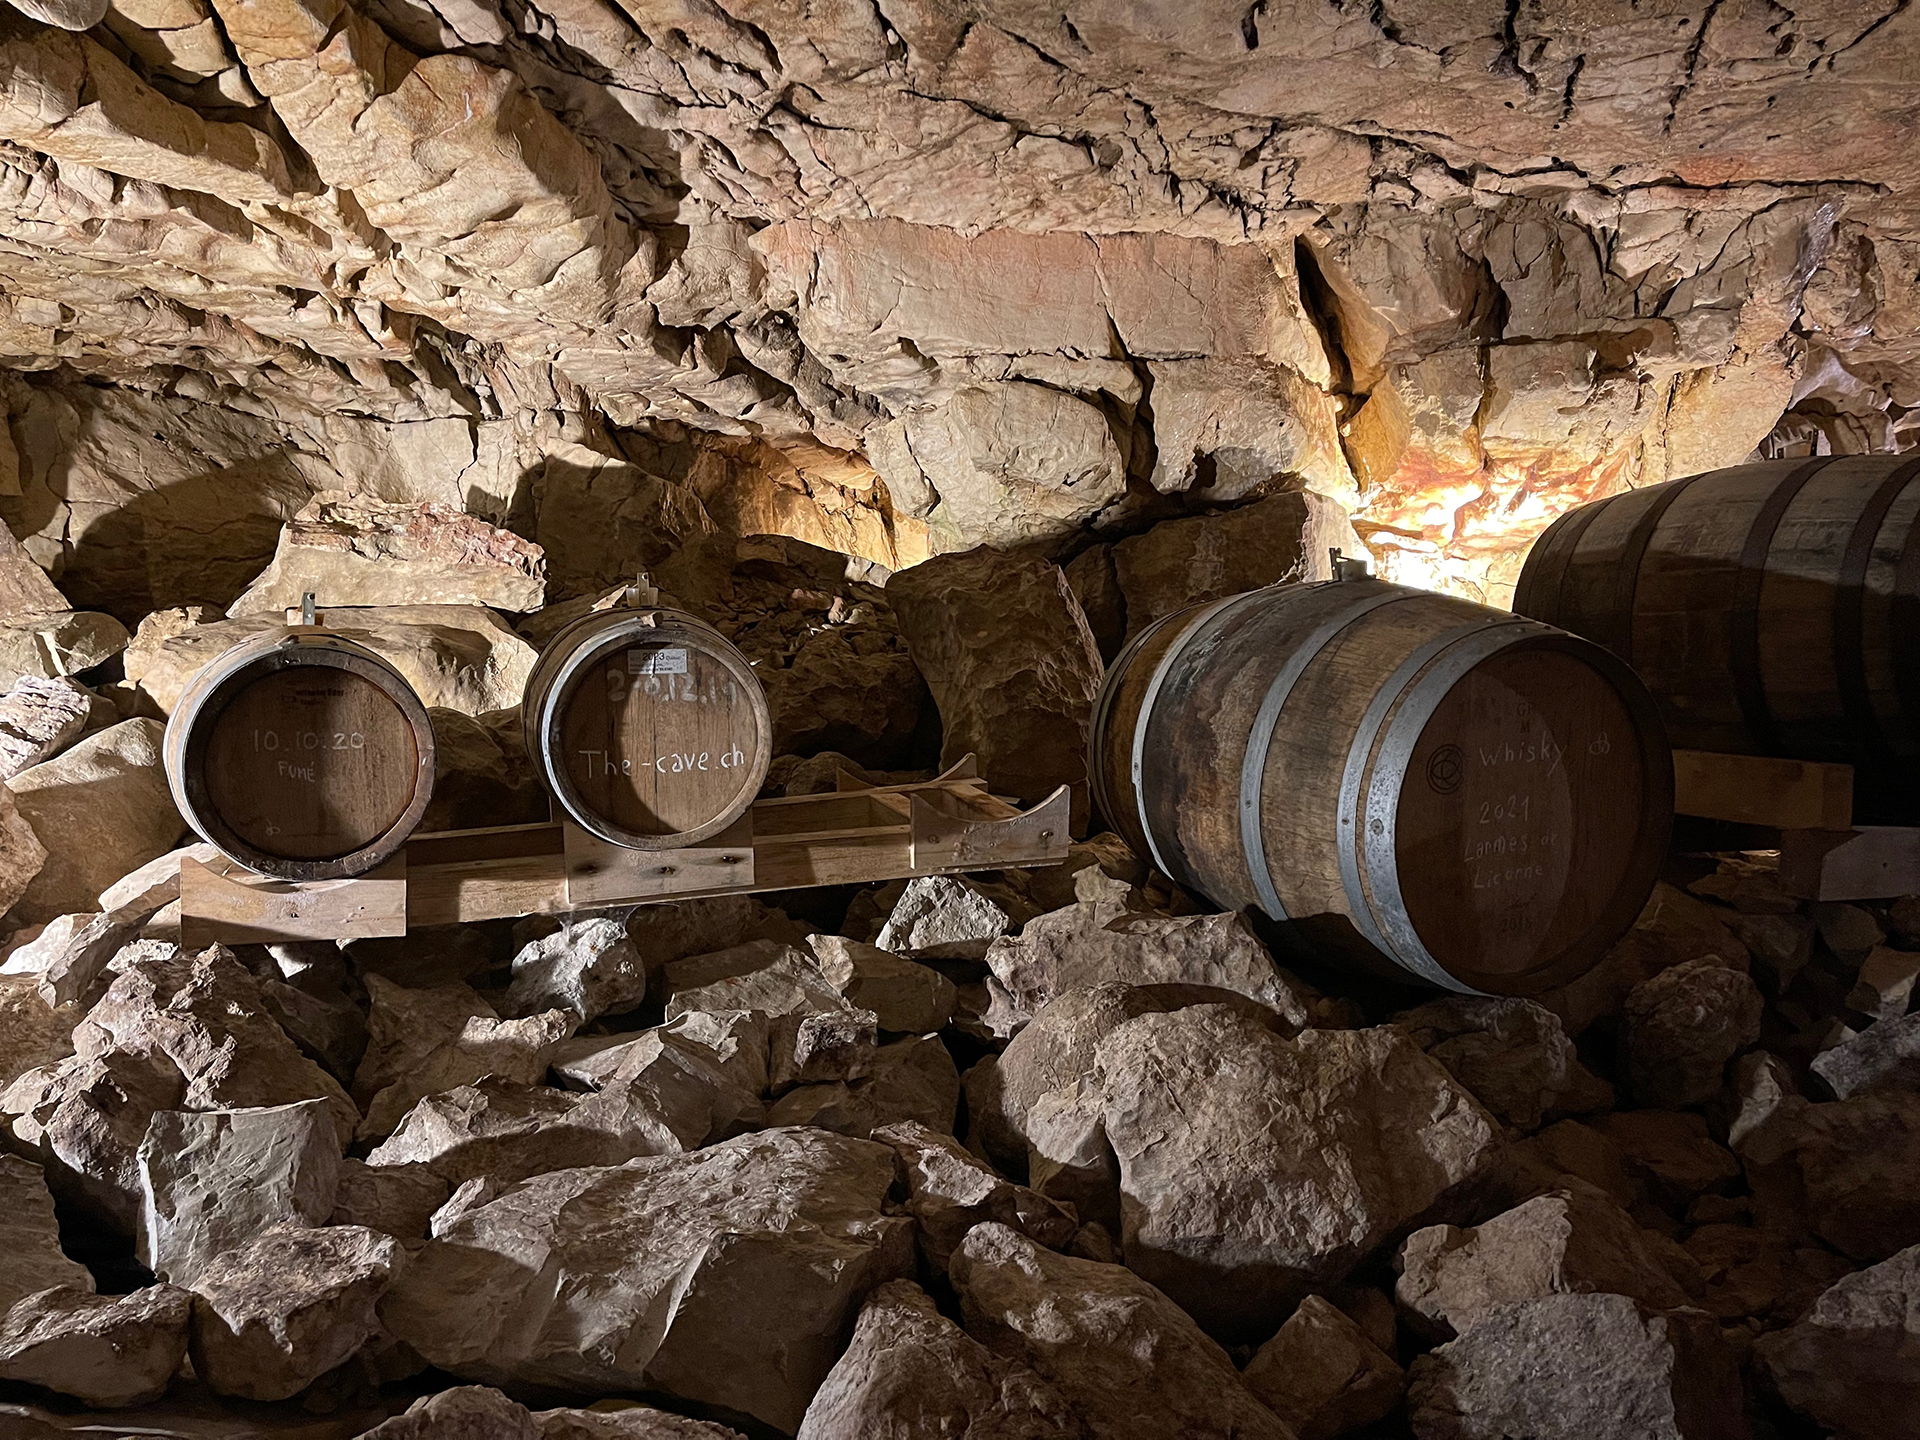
302, 755
1772, 609
649, 728
1407, 781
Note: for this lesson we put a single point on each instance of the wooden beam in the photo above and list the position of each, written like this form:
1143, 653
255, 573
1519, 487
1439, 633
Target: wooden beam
225, 903
1867, 862
1760, 790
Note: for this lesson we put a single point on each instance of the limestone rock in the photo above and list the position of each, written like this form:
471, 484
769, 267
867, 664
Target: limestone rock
733, 1043
1088, 944
273, 1316
1884, 1056
57, 642
1883, 989
763, 975
1011, 664
1848, 1363
646, 1268
910, 1371
456, 657
396, 1200
588, 966
948, 917
601, 519
1753, 1271
100, 809
84, 1120
1671, 1154
1572, 1242
1129, 1362
1253, 1168
1672, 929
1571, 1148
508, 1132
347, 549
1200, 558
1056, 1049
905, 998
817, 1047
1511, 1053
38, 719
32, 1032
1838, 1171
1850, 931
73, 957
1682, 1027
31, 1259
211, 1181
949, 1192
481, 773
104, 1350
1322, 1375
422, 1042
1069, 1158
1580, 1367
1780, 945
913, 1079
476, 1412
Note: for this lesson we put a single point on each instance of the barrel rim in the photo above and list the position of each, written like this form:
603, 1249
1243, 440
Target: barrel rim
592, 637
1646, 856
252, 662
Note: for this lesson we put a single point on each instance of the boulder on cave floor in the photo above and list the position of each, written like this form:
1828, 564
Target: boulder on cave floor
911, 1372
1852, 1362
1253, 1168
949, 1191
1322, 1375
38, 719
1682, 1026
104, 1350
30, 1255
1580, 1367
1095, 942
908, 1080
1511, 1053
722, 1277
906, 998
272, 1316
1575, 1241
1131, 1364
950, 917
478, 1412
587, 966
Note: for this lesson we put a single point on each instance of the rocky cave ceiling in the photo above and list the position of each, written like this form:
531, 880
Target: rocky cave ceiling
923, 274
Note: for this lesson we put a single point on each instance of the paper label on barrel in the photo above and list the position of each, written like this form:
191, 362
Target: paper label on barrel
656, 662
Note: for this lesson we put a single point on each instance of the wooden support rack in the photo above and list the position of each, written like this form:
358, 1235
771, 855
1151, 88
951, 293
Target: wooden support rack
854, 836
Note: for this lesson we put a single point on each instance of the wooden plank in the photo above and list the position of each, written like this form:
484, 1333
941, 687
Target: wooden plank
1867, 862
599, 873
225, 903
1760, 790
947, 837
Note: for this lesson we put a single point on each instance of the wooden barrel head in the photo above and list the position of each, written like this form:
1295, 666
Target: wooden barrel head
659, 738
1523, 816
310, 763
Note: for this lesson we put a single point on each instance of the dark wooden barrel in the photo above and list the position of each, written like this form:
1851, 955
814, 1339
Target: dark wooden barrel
301, 755
1771, 609
1410, 782
649, 728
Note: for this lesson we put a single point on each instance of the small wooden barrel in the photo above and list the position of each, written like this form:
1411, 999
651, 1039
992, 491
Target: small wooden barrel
648, 727
1410, 782
1772, 609
301, 755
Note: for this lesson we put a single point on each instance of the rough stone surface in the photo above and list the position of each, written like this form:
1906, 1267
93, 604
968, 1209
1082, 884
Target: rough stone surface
1849, 1363
1572, 1242
948, 917
1580, 1367
1884, 1056
211, 1181
1254, 1168
1322, 1375
787, 1221
1130, 1363
274, 1315
1011, 664
478, 1412
1091, 942
904, 997
100, 810
765, 975
912, 1079
1682, 1027
1838, 1171
38, 719
107, 1350
396, 1200
30, 1255
589, 967
912, 1372
32, 1032
1511, 1053
949, 1192
348, 550
1671, 1154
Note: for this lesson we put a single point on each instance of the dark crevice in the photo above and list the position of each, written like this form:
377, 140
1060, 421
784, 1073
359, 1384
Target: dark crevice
1693, 59
1250, 24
